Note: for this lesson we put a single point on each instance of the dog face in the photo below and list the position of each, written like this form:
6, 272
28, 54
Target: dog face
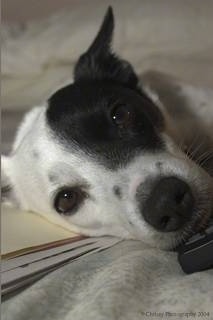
100, 158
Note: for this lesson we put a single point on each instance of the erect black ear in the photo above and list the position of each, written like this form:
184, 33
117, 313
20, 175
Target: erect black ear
100, 63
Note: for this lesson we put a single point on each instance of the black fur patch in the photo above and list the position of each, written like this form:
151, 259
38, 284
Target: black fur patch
5, 191
159, 165
117, 191
35, 154
52, 177
81, 113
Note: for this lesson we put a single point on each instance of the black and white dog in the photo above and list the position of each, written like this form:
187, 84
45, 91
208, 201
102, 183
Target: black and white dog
104, 158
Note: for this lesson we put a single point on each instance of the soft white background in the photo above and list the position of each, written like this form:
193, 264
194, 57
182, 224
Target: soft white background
41, 43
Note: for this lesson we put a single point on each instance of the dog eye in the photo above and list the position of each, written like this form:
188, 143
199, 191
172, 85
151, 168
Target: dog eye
68, 200
121, 116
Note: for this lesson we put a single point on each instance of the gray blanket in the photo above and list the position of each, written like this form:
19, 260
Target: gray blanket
127, 281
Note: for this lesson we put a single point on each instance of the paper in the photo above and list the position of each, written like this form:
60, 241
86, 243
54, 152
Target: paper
21, 230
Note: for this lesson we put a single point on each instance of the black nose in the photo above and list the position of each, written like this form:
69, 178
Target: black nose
169, 205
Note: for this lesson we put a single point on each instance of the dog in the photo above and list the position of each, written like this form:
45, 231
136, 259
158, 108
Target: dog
103, 156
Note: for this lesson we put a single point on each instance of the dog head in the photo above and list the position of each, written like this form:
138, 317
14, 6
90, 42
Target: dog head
99, 157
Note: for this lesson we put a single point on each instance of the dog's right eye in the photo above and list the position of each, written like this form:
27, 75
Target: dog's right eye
121, 116
68, 200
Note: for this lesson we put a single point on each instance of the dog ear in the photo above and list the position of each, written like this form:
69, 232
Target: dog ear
100, 63
6, 183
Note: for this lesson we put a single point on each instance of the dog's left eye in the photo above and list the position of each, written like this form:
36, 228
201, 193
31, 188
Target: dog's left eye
68, 200
121, 116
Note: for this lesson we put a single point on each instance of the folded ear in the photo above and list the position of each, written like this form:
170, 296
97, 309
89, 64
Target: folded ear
6, 181
100, 63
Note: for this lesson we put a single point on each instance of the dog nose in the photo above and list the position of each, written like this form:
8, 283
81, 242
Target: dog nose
169, 205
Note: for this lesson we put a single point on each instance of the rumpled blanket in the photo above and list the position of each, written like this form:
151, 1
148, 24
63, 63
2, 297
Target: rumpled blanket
128, 281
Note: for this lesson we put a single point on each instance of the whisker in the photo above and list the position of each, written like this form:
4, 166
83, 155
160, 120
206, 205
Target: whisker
205, 155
